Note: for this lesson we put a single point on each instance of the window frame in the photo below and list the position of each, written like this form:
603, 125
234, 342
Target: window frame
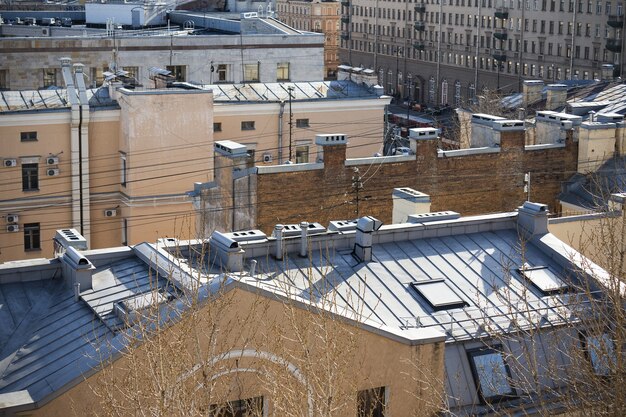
251, 79
379, 396
32, 237
123, 169
30, 136
248, 125
584, 337
30, 177
282, 69
302, 123
484, 351
217, 126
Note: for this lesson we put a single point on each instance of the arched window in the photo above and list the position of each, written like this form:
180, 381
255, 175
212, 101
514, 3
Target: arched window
457, 93
431, 89
444, 92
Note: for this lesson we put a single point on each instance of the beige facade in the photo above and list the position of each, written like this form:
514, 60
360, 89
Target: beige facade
446, 52
143, 153
371, 359
321, 16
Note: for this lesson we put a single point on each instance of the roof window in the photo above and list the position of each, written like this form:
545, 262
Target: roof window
438, 294
543, 279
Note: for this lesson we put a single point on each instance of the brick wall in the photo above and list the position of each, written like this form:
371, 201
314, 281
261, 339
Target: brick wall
470, 184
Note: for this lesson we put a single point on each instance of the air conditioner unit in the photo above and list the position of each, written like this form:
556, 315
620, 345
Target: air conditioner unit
53, 172
110, 213
52, 160
12, 218
267, 157
10, 163
12, 228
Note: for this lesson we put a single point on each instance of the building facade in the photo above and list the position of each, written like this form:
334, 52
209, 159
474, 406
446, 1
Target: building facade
264, 51
448, 51
321, 16
118, 167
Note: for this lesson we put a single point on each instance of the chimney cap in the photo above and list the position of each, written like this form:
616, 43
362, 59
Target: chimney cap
368, 224
535, 207
556, 87
230, 148
533, 82
331, 139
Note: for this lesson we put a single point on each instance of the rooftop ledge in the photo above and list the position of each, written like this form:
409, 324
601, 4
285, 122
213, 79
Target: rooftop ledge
469, 151
544, 146
379, 160
276, 169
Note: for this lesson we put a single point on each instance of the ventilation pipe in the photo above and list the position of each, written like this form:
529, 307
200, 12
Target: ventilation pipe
252, 267
365, 228
278, 234
304, 247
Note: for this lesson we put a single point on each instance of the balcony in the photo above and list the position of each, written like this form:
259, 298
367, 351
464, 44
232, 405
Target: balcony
501, 33
419, 45
614, 45
499, 55
420, 8
420, 26
502, 13
615, 21
345, 19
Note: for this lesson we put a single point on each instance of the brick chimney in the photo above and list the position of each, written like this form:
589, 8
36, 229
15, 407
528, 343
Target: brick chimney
509, 133
332, 149
531, 92
556, 96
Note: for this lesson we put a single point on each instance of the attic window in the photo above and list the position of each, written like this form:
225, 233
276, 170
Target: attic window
543, 279
438, 294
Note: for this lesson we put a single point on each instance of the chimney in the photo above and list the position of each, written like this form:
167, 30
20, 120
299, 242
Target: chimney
552, 127
77, 270
509, 133
531, 92
227, 251
304, 244
607, 72
365, 227
421, 133
596, 144
532, 218
521, 113
556, 96
278, 234
482, 130
332, 149
113, 87
407, 201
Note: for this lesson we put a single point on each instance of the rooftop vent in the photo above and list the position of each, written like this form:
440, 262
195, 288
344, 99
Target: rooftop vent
508, 125
423, 133
77, 270
342, 225
230, 148
227, 251
131, 310
290, 230
334, 139
247, 235
365, 227
65, 238
433, 217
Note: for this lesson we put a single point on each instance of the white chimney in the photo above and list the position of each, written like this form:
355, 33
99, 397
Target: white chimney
532, 218
365, 228
407, 201
304, 246
77, 270
227, 251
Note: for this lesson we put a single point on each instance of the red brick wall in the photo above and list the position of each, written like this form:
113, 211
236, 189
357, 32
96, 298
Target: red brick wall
472, 184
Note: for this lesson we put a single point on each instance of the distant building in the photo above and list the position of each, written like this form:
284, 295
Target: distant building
105, 161
228, 51
321, 16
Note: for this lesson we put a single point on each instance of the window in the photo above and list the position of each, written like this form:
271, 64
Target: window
302, 154
28, 136
491, 374
371, 402
438, 294
600, 351
4, 79
282, 71
251, 72
178, 71
124, 231
32, 237
238, 408
123, 169
217, 127
30, 177
247, 125
302, 122
133, 72
222, 73
49, 77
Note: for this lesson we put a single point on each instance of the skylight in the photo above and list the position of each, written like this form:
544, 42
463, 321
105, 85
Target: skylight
544, 279
438, 294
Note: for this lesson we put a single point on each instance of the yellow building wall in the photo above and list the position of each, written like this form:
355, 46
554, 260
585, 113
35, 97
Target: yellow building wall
334, 358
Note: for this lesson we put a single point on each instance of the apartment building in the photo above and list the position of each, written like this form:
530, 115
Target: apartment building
117, 164
321, 16
222, 50
448, 51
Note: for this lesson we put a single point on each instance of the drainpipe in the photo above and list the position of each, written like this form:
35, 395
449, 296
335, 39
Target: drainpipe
280, 131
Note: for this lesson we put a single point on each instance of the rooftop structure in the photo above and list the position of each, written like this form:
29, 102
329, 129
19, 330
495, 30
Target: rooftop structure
437, 279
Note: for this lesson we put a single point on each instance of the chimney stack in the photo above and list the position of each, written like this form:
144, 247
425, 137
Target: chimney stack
365, 228
407, 201
278, 234
77, 270
532, 218
531, 92
556, 96
304, 244
227, 251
